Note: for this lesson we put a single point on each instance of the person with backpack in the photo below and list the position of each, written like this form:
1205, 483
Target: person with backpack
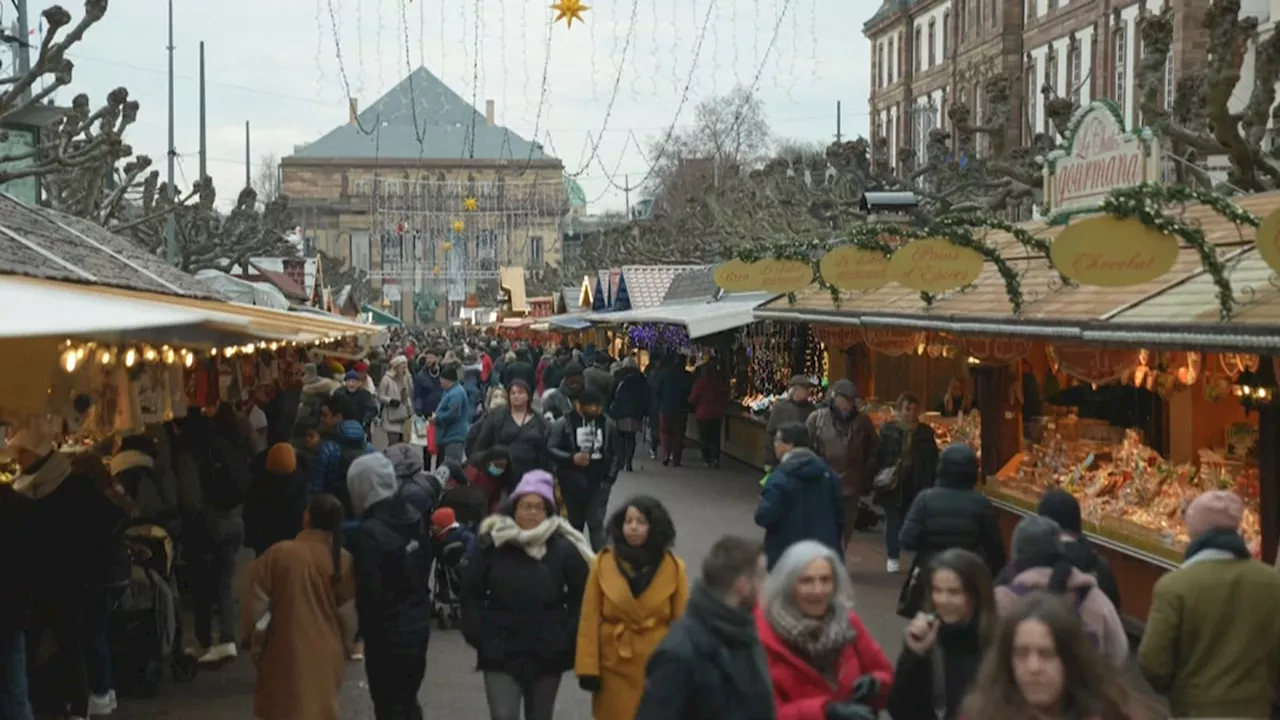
343, 441
390, 551
1042, 564
220, 451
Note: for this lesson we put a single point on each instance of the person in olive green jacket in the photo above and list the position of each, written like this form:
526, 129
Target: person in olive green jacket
1212, 641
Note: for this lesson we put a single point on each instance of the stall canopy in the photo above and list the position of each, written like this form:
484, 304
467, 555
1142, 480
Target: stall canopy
701, 318
381, 318
244, 291
570, 321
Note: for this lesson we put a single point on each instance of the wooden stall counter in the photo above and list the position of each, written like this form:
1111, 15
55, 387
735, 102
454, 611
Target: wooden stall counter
742, 436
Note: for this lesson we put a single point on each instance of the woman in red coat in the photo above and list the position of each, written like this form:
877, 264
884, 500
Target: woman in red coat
823, 662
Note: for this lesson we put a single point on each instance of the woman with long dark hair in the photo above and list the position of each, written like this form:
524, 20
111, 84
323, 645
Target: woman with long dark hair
1041, 665
302, 618
517, 427
945, 641
636, 590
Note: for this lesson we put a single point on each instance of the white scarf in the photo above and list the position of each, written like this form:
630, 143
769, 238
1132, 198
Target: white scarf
503, 530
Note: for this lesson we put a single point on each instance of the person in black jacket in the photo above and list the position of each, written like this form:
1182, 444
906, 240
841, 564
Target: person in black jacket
585, 447
909, 446
15, 601
1061, 507
522, 588
711, 665
518, 428
957, 623
673, 388
954, 515
629, 407
520, 369
276, 501
392, 564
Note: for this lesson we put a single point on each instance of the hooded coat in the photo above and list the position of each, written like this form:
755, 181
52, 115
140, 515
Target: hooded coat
801, 500
136, 472
392, 562
1062, 508
314, 393
1100, 619
954, 515
331, 460
630, 395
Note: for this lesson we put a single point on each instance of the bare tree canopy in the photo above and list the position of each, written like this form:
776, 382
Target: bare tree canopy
339, 274
267, 179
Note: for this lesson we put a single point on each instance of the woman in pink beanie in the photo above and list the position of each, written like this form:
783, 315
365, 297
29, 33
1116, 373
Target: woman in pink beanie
522, 591
1212, 641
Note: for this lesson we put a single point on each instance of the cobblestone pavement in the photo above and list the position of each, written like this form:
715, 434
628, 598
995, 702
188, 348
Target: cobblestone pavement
704, 503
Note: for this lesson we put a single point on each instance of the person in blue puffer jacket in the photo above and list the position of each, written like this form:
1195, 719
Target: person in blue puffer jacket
801, 499
453, 416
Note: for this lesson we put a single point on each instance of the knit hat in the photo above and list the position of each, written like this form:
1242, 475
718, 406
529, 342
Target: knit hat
443, 518
336, 368
536, 482
361, 367
399, 360
281, 459
449, 372
1063, 508
310, 373
1214, 510
958, 467
1037, 542
844, 389
351, 375
572, 369
518, 383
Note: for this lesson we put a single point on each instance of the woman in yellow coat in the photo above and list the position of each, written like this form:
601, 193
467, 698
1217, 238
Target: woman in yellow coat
636, 590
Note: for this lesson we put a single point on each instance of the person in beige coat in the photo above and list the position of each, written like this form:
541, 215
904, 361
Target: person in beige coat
395, 394
301, 617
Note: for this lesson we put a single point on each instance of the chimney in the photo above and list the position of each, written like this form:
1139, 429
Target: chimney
488, 113
352, 111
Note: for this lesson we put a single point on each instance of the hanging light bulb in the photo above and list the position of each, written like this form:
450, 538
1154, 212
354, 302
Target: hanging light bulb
70, 359
169, 355
188, 358
229, 352
130, 358
149, 354
104, 357
274, 346
81, 353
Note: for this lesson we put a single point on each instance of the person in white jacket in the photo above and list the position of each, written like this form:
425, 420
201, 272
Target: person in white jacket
395, 393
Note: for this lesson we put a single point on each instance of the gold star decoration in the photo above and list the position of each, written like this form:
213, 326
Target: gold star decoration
569, 10
448, 246
436, 271
458, 226
470, 204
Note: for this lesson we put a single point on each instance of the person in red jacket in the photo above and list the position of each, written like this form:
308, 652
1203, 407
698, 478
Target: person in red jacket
709, 397
823, 662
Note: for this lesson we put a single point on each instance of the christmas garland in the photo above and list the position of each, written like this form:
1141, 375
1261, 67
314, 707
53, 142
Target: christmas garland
1144, 204
1033, 244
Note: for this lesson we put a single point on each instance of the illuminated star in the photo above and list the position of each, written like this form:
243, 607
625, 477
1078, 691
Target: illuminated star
448, 246
569, 10
470, 204
458, 226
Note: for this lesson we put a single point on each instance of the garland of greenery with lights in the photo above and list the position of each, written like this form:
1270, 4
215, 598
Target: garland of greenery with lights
1144, 203
868, 237
1033, 244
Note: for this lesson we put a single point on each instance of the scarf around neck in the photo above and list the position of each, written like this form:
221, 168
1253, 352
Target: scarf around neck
818, 640
1217, 544
503, 530
638, 565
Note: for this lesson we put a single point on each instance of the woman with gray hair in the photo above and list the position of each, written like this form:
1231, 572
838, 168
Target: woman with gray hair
823, 662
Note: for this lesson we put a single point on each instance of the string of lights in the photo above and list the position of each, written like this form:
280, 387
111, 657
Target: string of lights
739, 114
360, 45
542, 96
733, 29
419, 134
617, 83
477, 53
342, 71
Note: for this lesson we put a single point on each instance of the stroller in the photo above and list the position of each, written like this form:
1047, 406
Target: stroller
469, 509
145, 633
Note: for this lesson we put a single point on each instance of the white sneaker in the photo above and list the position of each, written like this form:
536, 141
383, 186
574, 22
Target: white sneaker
218, 653
892, 566
102, 704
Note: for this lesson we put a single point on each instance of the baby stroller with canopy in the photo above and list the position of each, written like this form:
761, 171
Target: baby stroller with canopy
468, 506
145, 633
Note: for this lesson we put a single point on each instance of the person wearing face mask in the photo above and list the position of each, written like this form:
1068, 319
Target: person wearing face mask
943, 644
636, 590
711, 665
491, 472
586, 448
1041, 665
823, 662
518, 428
847, 440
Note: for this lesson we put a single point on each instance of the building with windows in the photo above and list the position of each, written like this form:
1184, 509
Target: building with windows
429, 195
928, 54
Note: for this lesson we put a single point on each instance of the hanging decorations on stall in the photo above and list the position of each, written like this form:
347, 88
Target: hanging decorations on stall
1106, 251
838, 337
852, 268
934, 266
892, 342
996, 350
659, 337
1092, 364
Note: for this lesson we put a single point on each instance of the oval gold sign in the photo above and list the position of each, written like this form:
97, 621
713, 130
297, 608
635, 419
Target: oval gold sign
934, 266
1107, 251
851, 268
737, 276
1268, 240
784, 276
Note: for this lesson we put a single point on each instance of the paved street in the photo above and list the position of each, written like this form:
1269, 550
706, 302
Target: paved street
705, 505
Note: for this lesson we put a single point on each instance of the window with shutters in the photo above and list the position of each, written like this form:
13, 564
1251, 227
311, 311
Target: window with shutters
1031, 101
917, 49
946, 34
535, 251
1120, 43
933, 43
1168, 82
1075, 71
1051, 71
892, 79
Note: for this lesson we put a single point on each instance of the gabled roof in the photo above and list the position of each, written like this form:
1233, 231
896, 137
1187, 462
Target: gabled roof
422, 119
699, 284
42, 243
647, 285
282, 281
887, 8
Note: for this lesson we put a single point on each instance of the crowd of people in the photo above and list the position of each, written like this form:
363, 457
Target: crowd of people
489, 502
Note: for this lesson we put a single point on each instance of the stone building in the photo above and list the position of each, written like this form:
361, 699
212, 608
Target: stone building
429, 195
928, 54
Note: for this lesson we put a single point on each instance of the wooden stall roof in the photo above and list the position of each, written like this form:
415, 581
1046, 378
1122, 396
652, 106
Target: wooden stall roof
1195, 301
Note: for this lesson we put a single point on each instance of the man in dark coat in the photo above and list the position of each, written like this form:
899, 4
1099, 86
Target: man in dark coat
521, 369
559, 399
587, 450
426, 385
847, 439
598, 377
795, 407
710, 665
15, 601
555, 372
673, 388
911, 447
952, 514
801, 498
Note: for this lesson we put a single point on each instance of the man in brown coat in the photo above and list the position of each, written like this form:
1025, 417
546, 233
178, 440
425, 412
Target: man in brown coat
795, 407
847, 440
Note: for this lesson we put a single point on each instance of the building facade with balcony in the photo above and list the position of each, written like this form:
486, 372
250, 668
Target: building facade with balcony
429, 195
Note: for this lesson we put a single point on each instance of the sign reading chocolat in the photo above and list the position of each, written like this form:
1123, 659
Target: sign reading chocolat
934, 266
851, 268
1268, 240
1107, 251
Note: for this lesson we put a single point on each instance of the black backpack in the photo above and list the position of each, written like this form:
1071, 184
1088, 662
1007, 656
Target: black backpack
338, 486
225, 477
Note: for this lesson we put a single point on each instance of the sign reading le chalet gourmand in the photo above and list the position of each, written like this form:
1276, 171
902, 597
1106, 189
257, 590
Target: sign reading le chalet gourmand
1098, 156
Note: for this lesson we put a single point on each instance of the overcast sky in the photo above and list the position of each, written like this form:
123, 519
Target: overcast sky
275, 63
